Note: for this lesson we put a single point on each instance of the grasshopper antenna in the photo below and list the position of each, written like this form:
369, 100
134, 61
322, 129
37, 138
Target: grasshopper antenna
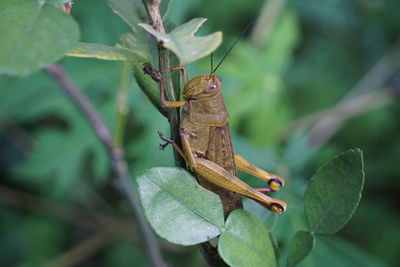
211, 63
234, 43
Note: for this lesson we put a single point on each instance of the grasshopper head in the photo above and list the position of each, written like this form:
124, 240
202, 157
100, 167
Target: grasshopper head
203, 86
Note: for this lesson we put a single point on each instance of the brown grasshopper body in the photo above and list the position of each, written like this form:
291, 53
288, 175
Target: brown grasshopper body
205, 125
206, 142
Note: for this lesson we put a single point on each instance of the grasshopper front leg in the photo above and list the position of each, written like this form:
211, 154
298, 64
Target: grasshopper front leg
172, 104
275, 182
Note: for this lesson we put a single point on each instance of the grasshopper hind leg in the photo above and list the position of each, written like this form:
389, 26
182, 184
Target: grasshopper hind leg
274, 181
219, 176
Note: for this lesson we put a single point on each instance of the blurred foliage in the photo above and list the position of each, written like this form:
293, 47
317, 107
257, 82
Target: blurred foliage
317, 51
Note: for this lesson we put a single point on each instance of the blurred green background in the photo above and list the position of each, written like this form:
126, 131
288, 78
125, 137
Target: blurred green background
310, 79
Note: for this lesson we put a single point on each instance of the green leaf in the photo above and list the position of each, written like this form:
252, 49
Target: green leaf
179, 209
132, 10
129, 10
135, 41
301, 246
104, 52
138, 40
184, 44
334, 192
33, 36
148, 86
245, 241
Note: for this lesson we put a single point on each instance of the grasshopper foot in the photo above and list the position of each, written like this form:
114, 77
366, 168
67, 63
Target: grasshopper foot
264, 190
276, 207
167, 141
155, 75
275, 184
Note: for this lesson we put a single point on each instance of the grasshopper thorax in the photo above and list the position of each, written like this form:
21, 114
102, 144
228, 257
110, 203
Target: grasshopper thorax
204, 101
205, 86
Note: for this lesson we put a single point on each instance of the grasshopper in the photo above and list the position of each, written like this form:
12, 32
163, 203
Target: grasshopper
206, 140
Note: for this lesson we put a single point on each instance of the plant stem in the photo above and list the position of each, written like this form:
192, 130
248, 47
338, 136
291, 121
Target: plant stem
122, 109
116, 156
209, 252
155, 19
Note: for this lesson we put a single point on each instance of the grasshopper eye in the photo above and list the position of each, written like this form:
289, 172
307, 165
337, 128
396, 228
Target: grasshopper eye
210, 88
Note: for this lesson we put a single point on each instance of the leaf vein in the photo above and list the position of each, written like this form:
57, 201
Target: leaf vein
187, 206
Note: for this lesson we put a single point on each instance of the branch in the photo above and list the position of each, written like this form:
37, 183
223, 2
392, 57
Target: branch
209, 252
90, 246
364, 96
333, 118
155, 19
116, 156
61, 211
368, 94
